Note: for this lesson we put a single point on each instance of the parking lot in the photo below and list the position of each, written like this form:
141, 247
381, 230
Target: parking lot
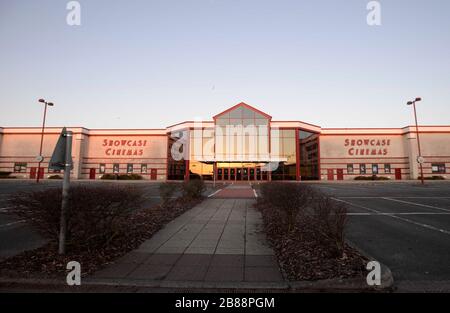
404, 225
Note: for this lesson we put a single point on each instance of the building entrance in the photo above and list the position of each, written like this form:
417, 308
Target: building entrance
241, 172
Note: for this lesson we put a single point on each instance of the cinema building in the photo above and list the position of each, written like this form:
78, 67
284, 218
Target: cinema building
239, 144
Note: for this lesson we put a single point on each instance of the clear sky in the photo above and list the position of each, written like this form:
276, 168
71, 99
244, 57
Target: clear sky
150, 64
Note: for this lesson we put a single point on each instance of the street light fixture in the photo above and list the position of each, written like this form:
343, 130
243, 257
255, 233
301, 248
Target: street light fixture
419, 158
40, 158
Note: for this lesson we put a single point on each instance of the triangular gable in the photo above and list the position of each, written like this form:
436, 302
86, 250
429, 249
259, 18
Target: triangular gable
245, 105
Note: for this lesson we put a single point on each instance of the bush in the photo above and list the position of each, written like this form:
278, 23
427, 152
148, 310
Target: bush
166, 191
5, 175
129, 177
109, 176
122, 176
55, 177
193, 189
297, 208
94, 214
373, 177
435, 177
329, 219
290, 198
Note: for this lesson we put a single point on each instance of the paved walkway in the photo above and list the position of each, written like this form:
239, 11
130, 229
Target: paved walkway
219, 240
237, 191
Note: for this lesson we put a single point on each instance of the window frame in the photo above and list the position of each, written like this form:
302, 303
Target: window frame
130, 165
377, 171
350, 169
361, 167
441, 169
22, 167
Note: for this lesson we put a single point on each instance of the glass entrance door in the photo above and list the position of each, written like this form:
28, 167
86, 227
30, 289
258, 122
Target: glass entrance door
239, 174
225, 174
252, 174
232, 174
245, 173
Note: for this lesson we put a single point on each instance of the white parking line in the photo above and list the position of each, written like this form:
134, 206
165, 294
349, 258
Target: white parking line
418, 204
395, 216
12, 223
214, 193
254, 192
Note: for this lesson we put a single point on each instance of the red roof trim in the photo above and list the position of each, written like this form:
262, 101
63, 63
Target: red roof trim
242, 104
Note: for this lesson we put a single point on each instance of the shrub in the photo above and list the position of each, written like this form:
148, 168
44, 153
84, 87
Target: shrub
129, 177
109, 176
6, 175
373, 177
290, 198
435, 177
55, 177
193, 189
94, 215
122, 176
329, 219
166, 191
297, 209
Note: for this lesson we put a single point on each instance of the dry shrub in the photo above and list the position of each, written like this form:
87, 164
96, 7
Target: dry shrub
166, 191
95, 213
329, 219
290, 199
298, 208
193, 189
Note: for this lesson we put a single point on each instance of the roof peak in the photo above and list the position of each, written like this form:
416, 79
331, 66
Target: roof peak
245, 105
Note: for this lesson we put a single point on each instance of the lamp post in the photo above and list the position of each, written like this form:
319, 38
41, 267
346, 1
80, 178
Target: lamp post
40, 158
419, 158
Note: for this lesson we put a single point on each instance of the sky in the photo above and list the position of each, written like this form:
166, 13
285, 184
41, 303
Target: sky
151, 64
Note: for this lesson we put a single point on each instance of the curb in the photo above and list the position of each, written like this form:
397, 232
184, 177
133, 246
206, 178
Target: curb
387, 279
127, 285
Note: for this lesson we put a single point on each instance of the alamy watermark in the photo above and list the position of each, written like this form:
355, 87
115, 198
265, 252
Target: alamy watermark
229, 143
374, 276
73, 17
374, 15
73, 278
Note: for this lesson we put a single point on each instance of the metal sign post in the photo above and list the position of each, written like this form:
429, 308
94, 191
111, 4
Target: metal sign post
62, 160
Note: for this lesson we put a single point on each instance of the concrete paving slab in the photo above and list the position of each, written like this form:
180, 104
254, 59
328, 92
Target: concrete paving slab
150, 272
117, 270
187, 273
225, 273
263, 274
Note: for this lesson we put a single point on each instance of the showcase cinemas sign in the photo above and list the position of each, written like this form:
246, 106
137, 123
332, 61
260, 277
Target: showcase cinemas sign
368, 147
124, 147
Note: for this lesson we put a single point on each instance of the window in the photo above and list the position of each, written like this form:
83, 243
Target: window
349, 168
362, 168
375, 169
144, 168
387, 168
20, 167
116, 168
129, 168
102, 168
438, 168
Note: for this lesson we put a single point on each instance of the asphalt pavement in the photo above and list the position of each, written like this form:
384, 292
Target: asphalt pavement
403, 225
